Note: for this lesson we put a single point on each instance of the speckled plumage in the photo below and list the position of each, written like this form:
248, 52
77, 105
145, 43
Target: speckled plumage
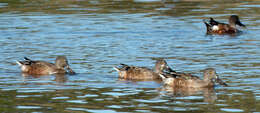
45, 68
182, 80
141, 73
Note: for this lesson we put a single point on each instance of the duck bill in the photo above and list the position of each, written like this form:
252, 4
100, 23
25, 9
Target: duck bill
240, 24
70, 71
218, 80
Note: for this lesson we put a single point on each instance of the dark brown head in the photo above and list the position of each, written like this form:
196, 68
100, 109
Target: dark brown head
234, 20
61, 62
211, 75
161, 65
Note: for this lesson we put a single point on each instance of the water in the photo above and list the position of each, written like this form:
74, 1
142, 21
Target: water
96, 35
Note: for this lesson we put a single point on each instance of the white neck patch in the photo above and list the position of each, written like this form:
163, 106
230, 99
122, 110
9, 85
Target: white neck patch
215, 27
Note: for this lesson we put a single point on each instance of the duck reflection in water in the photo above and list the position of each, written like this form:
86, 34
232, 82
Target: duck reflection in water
209, 94
59, 78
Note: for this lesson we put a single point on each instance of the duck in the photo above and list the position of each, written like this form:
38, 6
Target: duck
36, 67
192, 81
215, 27
127, 72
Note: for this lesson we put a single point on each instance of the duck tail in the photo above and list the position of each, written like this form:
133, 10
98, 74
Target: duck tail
116, 68
20, 63
26, 61
121, 67
208, 26
25, 58
213, 22
163, 76
206, 23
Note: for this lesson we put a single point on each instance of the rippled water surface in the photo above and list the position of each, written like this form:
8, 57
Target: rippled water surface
96, 35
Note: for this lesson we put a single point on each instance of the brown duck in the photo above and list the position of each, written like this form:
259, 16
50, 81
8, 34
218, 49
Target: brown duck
141, 73
188, 80
34, 67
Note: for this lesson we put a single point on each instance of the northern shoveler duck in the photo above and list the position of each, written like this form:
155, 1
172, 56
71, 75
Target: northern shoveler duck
175, 80
141, 73
215, 27
33, 67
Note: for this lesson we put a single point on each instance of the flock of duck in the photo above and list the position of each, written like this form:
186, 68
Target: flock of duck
161, 70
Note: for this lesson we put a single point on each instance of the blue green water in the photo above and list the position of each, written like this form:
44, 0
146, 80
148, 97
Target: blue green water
96, 35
